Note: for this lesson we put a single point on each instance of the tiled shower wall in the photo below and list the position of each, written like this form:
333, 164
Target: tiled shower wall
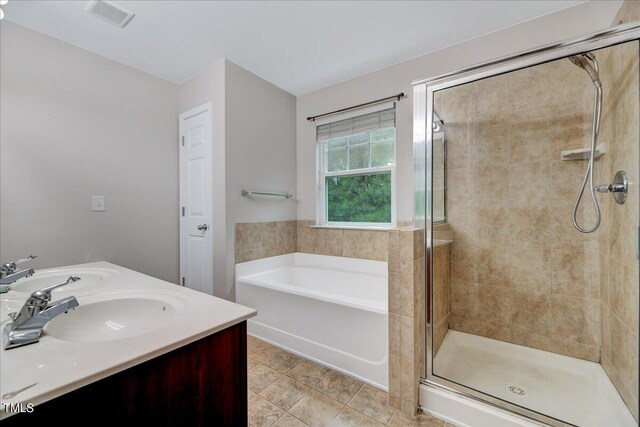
441, 268
618, 234
520, 272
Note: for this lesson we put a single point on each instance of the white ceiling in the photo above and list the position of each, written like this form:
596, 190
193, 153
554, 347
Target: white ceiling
300, 46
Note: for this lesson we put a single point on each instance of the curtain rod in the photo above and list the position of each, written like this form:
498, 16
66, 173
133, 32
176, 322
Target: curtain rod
377, 101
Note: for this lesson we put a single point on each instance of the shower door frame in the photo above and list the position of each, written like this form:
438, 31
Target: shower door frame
423, 91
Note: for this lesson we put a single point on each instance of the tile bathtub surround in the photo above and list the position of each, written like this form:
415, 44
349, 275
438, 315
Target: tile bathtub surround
264, 239
520, 272
309, 394
406, 328
617, 238
365, 244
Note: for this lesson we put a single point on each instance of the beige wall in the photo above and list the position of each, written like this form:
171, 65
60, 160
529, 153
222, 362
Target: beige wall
260, 154
209, 86
253, 137
75, 124
572, 22
618, 234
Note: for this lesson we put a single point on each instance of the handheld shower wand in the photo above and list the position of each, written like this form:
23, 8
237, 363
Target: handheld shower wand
588, 62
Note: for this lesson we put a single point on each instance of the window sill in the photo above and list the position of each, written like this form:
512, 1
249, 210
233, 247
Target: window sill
357, 227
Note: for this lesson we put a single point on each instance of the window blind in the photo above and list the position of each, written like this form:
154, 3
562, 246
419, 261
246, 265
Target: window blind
360, 124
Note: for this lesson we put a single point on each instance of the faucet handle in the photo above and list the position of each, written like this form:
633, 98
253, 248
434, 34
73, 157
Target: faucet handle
12, 265
45, 293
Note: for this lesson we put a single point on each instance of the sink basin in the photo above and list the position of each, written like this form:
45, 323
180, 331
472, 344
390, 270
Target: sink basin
116, 317
88, 276
9, 305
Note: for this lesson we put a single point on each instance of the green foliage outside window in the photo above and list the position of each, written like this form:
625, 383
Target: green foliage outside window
359, 198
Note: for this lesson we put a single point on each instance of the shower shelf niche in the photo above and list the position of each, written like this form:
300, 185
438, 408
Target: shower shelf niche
582, 153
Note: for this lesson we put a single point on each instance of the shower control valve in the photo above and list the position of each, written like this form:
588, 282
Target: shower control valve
619, 187
611, 188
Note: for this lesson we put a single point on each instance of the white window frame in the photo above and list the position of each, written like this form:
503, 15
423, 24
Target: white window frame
321, 193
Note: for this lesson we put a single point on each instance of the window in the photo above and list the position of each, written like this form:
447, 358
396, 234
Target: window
356, 173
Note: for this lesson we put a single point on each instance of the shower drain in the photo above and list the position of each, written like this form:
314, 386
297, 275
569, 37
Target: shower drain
517, 390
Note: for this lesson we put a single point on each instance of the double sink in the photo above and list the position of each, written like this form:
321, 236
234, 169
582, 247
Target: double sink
124, 318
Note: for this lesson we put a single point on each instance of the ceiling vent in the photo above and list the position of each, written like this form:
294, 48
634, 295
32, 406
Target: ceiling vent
110, 12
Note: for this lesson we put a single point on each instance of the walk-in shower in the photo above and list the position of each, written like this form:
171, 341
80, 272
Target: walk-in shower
532, 294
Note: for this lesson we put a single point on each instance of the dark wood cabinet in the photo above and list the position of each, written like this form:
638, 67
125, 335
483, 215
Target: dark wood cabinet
201, 384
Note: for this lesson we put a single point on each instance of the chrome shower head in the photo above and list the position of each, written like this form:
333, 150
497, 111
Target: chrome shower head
587, 61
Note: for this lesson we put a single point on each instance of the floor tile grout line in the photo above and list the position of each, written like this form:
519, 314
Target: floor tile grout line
314, 388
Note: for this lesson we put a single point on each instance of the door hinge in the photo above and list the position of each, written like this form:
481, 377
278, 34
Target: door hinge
183, 140
183, 281
183, 211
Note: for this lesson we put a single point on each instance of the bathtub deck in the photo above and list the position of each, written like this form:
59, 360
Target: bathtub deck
288, 390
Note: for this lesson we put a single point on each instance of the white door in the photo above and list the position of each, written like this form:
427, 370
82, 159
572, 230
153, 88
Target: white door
196, 182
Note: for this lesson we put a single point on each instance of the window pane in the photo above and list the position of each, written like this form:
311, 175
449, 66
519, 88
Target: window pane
359, 156
337, 159
359, 198
362, 138
382, 154
383, 134
335, 143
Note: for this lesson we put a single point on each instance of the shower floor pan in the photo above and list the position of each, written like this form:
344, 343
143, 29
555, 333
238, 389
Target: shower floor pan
571, 390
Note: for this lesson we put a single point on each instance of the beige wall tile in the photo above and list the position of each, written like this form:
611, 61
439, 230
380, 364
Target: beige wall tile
394, 334
576, 319
530, 141
569, 275
407, 254
493, 266
394, 251
264, 239
491, 224
531, 311
407, 337
365, 244
407, 298
440, 330
407, 381
394, 375
624, 294
529, 184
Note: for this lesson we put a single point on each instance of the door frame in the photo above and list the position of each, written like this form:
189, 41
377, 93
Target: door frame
423, 109
207, 109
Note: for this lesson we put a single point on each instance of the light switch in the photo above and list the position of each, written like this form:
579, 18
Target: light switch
97, 203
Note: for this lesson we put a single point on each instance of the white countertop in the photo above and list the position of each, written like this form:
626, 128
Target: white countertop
59, 367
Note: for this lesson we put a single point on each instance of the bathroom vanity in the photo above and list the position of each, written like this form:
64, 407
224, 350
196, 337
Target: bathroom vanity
135, 349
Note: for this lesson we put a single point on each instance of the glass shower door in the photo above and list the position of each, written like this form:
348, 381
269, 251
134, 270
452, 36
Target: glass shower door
527, 308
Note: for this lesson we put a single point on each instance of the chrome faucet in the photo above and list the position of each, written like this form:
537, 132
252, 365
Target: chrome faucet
8, 273
35, 313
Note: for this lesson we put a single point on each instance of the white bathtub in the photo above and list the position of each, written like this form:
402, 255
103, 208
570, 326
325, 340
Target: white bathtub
329, 309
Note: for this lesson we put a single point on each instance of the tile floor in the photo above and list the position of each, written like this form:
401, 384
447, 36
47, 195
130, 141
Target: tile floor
288, 390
